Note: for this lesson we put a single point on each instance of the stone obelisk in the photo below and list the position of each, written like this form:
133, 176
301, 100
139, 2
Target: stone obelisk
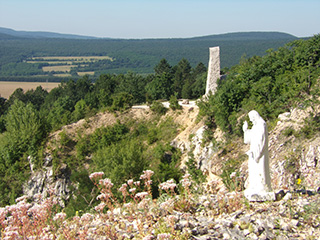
213, 70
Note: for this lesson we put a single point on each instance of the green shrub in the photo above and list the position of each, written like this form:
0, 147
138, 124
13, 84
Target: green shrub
196, 173
152, 136
157, 107
121, 101
121, 161
174, 103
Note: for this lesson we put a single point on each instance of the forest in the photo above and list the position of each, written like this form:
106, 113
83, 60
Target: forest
271, 84
136, 55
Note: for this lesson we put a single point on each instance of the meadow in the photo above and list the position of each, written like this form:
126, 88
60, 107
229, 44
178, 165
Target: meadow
7, 88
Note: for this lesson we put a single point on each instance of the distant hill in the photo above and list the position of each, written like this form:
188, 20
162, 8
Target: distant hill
136, 55
6, 36
248, 36
40, 34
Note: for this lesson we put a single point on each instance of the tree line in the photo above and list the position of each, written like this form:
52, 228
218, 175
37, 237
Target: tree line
139, 56
271, 84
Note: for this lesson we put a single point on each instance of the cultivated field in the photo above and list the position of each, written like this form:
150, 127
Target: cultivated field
72, 58
7, 88
58, 68
62, 65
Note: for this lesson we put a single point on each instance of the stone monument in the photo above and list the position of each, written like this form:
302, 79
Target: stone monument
213, 70
259, 183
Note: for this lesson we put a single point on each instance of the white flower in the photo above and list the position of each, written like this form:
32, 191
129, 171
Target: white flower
106, 182
59, 216
232, 175
86, 217
96, 175
164, 236
142, 195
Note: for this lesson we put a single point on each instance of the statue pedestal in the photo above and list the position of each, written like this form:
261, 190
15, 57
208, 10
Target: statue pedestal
259, 196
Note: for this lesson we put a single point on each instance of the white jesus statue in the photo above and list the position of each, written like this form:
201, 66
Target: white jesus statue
259, 182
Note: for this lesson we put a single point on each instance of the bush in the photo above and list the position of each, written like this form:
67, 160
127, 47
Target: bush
121, 101
174, 103
121, 161
158, 108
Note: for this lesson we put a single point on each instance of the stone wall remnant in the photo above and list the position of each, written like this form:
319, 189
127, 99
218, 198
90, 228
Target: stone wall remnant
213, 70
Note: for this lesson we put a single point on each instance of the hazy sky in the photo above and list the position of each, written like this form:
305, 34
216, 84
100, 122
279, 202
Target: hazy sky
161, 19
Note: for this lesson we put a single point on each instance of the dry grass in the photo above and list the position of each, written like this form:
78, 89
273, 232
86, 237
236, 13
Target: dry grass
62, 75
59, 68
51, 62
85, 73
74, 58
64, 64
7, 88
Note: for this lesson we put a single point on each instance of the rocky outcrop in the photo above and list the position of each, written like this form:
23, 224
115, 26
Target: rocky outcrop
45, 182
294, 162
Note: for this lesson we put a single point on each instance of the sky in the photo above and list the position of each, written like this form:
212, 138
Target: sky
140, 19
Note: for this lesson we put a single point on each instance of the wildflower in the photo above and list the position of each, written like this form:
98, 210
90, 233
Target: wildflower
106, 182
130, 182
168, 185
37, 196
22, 198
123, 188
11, 234
233, 174
59, 216
103, 196
128, 205
164, 236
147, 174
132, 190
171, 218
186, 183
144, 203
86, 217
298, 181
100, 207
167, 205
137, 183
148, 237
96, 175
142, 195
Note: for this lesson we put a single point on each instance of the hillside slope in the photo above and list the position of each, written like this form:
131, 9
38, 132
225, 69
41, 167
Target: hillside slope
138, 55
215, 213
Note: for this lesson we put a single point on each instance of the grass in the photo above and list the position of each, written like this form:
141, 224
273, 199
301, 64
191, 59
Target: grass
7, 88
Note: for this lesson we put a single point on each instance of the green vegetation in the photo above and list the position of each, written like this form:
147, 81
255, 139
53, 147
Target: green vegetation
122, 150
139, 56
271, 84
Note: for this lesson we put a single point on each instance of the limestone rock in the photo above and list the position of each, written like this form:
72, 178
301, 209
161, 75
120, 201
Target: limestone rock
43, 181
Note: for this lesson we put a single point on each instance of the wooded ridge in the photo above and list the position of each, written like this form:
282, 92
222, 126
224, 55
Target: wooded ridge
137, 55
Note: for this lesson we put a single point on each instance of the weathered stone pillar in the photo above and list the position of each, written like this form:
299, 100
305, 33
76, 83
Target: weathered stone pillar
213, 70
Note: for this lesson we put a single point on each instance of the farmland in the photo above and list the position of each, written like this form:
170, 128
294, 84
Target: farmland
25, 59
61, 66
7, 88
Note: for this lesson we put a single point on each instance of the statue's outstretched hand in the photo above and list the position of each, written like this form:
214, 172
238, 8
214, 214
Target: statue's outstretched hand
245, 126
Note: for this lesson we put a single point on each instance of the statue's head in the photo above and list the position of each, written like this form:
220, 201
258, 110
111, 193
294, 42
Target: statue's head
254, 116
